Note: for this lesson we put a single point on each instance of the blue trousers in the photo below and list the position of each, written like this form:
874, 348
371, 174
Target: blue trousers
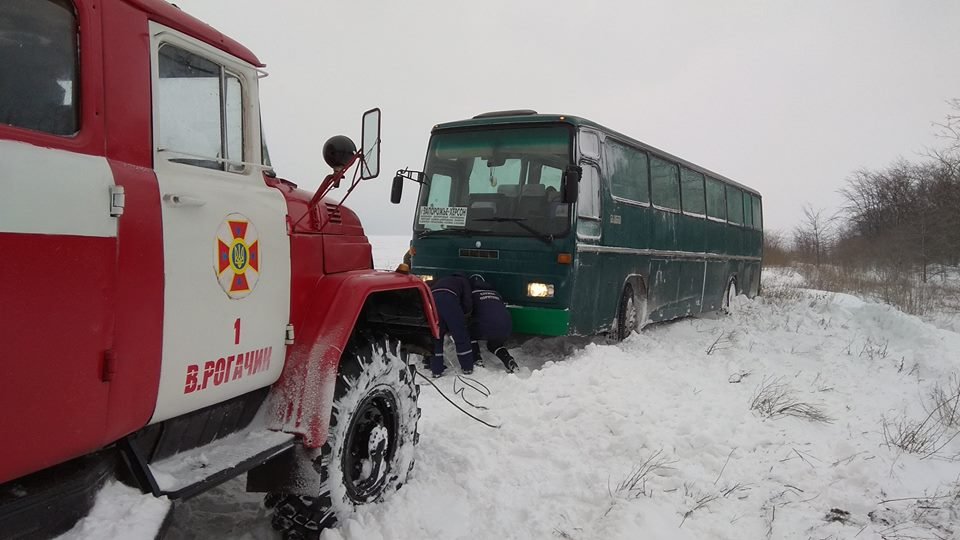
453, 322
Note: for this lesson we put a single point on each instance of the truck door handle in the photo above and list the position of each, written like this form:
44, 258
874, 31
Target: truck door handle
182, 200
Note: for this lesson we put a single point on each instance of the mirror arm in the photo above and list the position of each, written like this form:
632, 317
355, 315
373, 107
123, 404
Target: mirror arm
416, 176
332, 180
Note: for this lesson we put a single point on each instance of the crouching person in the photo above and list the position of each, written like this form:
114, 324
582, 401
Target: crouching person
452, 296
490, 321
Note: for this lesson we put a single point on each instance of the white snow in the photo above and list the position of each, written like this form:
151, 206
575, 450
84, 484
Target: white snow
578, 421
120, 512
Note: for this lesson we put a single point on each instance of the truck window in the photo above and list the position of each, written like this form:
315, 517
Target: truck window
200, 112
39, 81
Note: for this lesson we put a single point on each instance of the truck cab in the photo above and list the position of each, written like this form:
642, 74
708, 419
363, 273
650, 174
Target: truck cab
163, 286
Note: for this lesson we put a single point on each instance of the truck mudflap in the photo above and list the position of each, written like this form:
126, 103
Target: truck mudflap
301, 400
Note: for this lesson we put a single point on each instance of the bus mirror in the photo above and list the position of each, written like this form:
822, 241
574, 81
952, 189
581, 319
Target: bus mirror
571, 183
396, 190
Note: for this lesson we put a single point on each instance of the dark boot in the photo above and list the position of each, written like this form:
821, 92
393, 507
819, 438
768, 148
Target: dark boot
436, 366
508, 362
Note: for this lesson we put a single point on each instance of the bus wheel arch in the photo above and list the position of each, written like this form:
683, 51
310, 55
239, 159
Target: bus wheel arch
632, 308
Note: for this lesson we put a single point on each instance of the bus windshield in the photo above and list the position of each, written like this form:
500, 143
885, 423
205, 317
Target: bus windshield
503, 181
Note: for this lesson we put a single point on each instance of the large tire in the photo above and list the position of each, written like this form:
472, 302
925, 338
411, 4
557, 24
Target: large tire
370, 443
729, 294
631, 313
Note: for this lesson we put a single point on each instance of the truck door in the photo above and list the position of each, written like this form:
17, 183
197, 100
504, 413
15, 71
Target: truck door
226, 250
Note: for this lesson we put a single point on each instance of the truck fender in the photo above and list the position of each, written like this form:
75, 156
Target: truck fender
301, 399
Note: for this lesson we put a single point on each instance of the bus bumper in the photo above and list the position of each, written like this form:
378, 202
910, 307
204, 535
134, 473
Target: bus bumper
539, 321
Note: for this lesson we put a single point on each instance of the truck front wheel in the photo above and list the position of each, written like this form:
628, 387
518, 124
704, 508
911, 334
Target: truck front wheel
370, 441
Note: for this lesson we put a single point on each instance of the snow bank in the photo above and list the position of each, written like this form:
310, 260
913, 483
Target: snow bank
579, 419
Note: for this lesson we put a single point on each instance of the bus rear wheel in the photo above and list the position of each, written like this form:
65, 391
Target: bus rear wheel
632, 312
728, 295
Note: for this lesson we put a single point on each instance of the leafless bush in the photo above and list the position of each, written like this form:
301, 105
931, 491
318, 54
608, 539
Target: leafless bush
946, 402
635, 484
782, 294
773, 398
926, 437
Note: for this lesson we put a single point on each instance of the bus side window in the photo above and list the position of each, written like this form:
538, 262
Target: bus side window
39, 83
747, 210
757, 213
628, 172
716, 199
588, 204
665, 184
691, 191
734, 206
439, 190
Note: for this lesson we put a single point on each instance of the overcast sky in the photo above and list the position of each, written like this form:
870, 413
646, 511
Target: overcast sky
786, 97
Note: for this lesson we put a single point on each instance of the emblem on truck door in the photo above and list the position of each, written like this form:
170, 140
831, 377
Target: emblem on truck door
236, 256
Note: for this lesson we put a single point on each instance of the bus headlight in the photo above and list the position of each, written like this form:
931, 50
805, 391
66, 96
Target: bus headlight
540, 290
425, 277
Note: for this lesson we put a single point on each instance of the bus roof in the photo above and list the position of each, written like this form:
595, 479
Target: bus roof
532, 117
172, 16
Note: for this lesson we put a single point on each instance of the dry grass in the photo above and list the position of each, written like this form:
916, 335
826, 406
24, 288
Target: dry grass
946, 402
773, 398
635, 484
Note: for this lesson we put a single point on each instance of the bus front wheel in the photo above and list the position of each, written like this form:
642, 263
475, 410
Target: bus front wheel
632, 312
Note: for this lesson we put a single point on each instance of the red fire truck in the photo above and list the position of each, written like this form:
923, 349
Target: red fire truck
172, 312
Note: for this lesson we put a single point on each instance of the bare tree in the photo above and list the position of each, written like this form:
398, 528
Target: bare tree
813, 235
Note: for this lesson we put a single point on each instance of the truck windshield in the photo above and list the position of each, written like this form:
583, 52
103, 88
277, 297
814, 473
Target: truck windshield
503, 181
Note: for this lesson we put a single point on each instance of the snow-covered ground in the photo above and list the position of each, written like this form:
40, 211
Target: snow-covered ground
670, 409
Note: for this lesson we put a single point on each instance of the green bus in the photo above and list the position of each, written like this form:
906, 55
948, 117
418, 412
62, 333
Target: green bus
583, 230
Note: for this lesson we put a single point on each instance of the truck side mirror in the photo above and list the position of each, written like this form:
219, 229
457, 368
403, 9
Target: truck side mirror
370, 145
571, 184
396, 190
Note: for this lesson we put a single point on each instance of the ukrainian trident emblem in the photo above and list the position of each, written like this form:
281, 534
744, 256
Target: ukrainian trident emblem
236, 256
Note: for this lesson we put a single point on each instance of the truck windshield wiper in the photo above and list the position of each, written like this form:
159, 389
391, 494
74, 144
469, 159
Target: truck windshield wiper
519, 221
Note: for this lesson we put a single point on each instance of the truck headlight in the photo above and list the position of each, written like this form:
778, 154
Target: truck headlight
540, 290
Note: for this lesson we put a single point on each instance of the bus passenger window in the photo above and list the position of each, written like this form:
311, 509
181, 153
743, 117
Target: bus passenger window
665, 184
757, 213
716, 199
747, 211
628, 173
38, 66
691, 191
734, 205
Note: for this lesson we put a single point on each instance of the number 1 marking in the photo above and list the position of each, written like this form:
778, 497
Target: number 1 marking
236, 329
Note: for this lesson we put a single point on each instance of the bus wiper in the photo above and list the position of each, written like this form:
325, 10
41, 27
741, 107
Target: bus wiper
431, 232
519, 221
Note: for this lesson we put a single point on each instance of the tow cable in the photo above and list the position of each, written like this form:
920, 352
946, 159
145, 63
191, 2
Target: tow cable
468, 382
